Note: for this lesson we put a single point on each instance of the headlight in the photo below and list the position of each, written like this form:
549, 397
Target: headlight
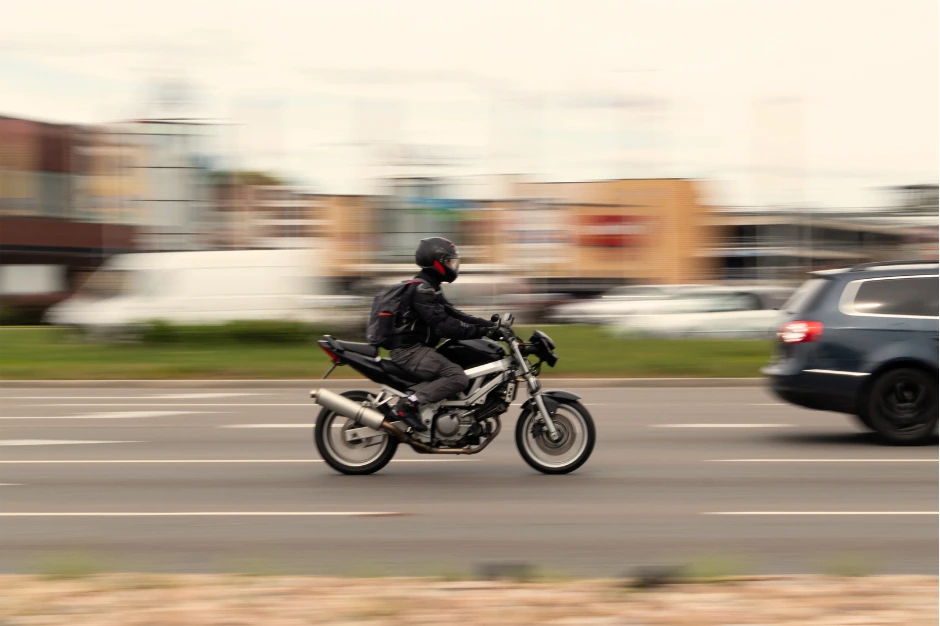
539, 336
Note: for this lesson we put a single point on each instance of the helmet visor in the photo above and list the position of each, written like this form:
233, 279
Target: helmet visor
453, 264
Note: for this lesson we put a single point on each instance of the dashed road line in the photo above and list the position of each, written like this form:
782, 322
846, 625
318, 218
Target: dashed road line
171, 404
693, 425
267, 426
104, 416
206, 514
184, 461
795, 513
165, 396
53, 442
821, 460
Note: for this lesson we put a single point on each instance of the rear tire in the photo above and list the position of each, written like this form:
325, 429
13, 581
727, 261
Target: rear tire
902, 407
326, 438
549, 457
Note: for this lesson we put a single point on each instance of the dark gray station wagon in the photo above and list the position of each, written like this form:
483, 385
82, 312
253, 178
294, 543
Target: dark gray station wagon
863, 341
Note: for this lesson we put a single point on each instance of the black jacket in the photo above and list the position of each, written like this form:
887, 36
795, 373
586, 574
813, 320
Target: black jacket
434, 318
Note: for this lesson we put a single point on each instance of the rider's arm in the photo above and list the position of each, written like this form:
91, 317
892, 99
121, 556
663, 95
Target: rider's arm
463, 317
430, 305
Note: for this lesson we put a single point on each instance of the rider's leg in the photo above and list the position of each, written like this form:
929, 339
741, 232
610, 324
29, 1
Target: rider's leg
444, 377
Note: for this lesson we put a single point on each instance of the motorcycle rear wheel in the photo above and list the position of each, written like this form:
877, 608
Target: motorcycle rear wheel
351, 457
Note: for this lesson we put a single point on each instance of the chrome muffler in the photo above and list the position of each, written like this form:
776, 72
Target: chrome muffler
349, 408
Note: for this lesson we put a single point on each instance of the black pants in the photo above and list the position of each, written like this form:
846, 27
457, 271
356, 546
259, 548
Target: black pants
444, 377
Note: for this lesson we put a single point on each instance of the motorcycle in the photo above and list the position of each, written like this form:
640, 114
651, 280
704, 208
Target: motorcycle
358, 432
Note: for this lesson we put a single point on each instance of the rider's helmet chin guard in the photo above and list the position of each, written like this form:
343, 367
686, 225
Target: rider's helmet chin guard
440, 255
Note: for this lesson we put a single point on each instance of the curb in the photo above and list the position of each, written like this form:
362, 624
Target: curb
348, 383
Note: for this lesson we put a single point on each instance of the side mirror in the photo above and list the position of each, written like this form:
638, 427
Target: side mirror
495, 318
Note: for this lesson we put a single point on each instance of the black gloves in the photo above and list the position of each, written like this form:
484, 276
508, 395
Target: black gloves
497, 332
485, 331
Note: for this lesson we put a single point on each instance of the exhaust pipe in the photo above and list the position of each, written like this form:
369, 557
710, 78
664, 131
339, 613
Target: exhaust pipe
375, 420
348, 408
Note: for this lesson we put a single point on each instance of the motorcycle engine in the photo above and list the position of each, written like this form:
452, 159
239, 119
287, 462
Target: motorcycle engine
450, 426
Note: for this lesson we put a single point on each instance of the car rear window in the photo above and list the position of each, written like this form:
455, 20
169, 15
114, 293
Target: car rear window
805, 297
897, 296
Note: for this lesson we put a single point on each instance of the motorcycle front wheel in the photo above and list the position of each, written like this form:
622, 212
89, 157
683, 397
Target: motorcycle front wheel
336, 440
573, 448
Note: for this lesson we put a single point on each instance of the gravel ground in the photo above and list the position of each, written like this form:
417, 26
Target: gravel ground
203, 600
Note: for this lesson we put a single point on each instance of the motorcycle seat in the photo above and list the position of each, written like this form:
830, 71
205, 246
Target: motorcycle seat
365, 349
390, 368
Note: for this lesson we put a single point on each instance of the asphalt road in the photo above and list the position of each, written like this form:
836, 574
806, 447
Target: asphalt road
722, 475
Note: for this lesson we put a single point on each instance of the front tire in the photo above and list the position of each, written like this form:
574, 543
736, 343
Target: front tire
902, 407
575, 424
351, 457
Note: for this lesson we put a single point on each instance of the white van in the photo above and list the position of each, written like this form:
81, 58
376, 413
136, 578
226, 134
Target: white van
202, 287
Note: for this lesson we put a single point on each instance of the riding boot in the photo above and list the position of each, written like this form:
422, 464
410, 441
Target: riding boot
407, 411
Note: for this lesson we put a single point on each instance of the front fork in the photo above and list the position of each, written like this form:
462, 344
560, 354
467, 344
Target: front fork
535, 391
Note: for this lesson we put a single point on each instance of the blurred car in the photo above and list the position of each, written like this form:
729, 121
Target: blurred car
863, 341
717, 313
621, 301
195, 287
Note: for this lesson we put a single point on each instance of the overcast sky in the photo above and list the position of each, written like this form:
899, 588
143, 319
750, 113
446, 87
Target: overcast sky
812, 101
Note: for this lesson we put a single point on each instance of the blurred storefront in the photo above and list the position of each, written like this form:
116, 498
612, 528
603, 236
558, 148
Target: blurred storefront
266, 217
174, 208
613, 232
782, 245
65, 206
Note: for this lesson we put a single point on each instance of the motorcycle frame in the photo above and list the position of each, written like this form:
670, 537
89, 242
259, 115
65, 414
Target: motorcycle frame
502, 371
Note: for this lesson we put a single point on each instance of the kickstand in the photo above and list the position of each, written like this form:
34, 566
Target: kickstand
330, 371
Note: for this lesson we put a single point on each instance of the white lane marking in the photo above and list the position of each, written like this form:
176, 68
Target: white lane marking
55, 397
720, 425
267, 426
165, 404
53, 442
104, 416
166, 396
100, 461
193, 396
822, 513
11, 484
821, 460
208, 514
202, 404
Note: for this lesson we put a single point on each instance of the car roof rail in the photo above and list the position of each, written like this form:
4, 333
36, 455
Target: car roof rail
867, 266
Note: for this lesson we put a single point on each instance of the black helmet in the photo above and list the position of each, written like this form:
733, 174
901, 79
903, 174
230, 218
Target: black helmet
440, 255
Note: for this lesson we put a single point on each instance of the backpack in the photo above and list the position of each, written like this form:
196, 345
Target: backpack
389, 312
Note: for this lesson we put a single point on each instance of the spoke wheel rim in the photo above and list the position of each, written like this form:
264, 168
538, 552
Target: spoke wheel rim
556, 454
352, 453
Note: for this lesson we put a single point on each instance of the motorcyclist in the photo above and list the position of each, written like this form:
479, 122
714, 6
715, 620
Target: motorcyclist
434, 318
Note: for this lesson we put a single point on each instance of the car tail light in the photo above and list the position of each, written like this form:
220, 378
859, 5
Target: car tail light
330, 354
800, 332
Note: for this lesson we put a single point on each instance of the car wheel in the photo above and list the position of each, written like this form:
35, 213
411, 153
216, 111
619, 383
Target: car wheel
902, 406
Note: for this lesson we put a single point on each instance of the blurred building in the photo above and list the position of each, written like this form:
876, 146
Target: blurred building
57, 217
109, 182
355, 236
590, 235
174, 207
266, 216
782, 245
